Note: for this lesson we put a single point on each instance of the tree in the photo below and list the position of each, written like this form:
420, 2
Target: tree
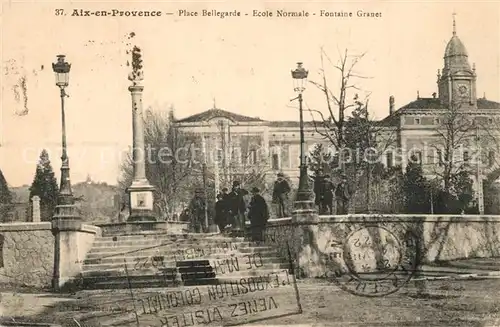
415, 188
459, 151
320, 160
347, 125
171, 164
5, 198
45, 186
332, 124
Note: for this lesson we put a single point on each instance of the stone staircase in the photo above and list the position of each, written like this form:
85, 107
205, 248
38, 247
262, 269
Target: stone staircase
152, 259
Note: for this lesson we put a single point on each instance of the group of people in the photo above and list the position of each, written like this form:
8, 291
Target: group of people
326, 192
231, 210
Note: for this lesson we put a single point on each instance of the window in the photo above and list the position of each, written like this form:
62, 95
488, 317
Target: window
439, 155
416, 157
389, 159
466, 157
417, 121
490, 120
252, 157
275, 163
491, 158
219, 155
437, 121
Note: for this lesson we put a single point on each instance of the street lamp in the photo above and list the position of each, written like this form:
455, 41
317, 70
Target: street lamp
61, 69
303, 199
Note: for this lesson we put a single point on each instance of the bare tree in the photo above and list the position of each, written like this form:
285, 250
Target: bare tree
461, 134
332, 124
347, 124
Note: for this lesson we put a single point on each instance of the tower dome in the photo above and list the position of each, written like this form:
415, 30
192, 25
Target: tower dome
455, 47
455, 54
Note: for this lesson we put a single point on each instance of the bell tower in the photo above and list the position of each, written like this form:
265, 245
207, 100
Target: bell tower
457, 80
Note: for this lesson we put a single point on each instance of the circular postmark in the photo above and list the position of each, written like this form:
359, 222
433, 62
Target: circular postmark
374, 259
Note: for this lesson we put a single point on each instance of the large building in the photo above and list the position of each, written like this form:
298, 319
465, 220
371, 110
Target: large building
418, 129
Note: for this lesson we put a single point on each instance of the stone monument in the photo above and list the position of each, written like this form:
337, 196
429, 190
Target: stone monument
140, 191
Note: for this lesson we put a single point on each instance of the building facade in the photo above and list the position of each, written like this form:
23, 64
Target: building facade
421, 129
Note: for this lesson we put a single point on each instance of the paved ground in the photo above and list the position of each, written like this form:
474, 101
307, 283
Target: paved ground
465, 298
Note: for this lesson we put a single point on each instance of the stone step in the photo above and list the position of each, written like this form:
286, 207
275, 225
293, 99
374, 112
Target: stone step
178, 253
146, 243
168, 236
155, 281
152, 258
133, 265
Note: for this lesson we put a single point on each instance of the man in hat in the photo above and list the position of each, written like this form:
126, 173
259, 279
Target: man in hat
197, 211
327, 191
342, 195
280, 194
318, 194
221, 212
237, 208
258, 214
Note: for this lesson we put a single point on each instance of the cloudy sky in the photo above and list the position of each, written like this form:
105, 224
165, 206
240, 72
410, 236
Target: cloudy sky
243, 62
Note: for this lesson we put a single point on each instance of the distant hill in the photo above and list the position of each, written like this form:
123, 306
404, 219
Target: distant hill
95, 200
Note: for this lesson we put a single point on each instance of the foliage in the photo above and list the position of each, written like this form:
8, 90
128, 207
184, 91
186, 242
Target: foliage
492, 199
320, 160
415, 189
45, 186
5, 198
97, 201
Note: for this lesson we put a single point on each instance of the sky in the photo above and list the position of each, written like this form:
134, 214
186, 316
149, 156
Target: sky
242, 62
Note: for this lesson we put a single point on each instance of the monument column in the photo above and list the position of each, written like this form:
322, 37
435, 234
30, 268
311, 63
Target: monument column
140, 191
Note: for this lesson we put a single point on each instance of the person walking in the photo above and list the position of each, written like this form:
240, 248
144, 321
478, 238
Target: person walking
327, 189
318, 194
237, 209
258, 214
221, 212
280, 195
342, 195
197, 211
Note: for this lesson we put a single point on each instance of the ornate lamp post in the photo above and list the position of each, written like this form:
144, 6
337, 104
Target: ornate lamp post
141, 191
66, 221
66, 200
304, 194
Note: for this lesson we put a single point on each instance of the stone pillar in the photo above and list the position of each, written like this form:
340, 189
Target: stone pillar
141, 191
36, 216
65, 227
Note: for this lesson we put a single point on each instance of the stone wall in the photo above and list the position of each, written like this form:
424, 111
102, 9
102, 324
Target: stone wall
27, 254
312, 239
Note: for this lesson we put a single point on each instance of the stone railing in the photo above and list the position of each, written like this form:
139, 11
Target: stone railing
440, 237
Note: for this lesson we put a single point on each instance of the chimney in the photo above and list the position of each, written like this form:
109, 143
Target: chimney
391, 105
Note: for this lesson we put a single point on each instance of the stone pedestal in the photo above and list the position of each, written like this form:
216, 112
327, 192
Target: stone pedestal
141, 202
36, 216
65, 227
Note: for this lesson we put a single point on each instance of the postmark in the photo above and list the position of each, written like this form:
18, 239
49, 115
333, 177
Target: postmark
373, 259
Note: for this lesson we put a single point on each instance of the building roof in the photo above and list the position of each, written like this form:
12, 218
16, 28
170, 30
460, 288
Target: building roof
482, 103
424, 103
436, 103
431, 103
215, 112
